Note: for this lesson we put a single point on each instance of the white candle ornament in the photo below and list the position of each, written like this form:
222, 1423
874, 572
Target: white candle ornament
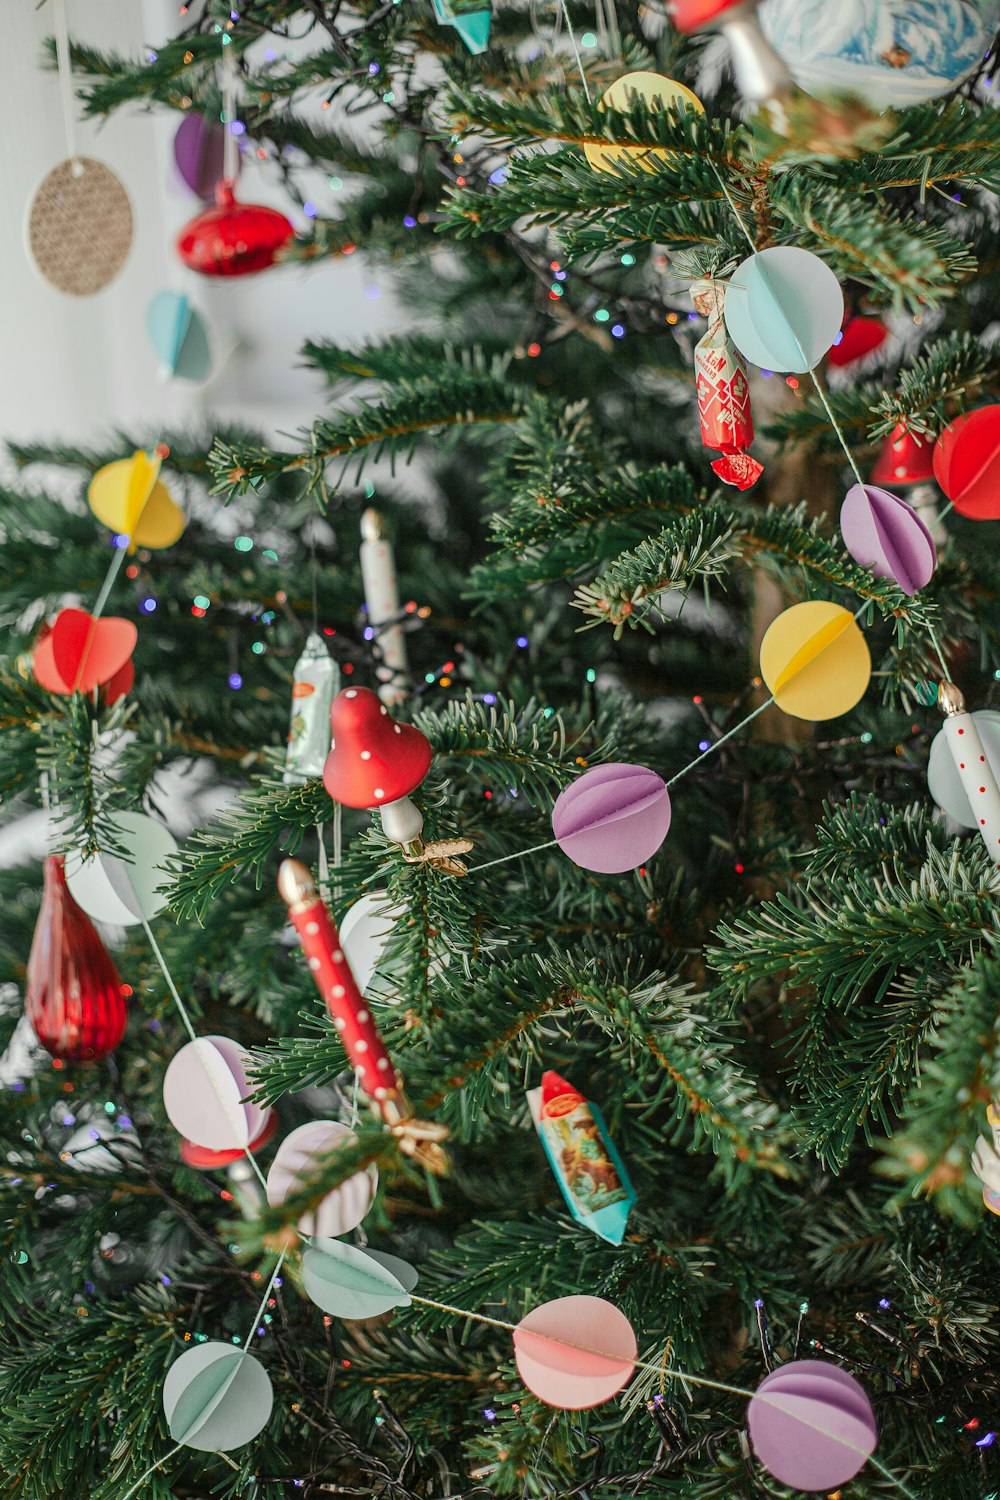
977, 800
378, 574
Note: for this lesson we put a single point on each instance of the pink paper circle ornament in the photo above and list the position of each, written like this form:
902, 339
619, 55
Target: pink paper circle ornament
575, 1352
882, 532
298, 1158
811, 1425
205, 1095
612, 818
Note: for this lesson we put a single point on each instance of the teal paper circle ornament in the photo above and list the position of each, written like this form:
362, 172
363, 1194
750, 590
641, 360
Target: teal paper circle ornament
350, 1283
783, 309
178, 335
216, 1397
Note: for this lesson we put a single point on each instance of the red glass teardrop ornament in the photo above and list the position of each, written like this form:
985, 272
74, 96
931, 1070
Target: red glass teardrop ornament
73, 995
233, 239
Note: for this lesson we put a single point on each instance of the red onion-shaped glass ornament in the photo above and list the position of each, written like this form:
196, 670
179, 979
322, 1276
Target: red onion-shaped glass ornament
231, 238
73, 996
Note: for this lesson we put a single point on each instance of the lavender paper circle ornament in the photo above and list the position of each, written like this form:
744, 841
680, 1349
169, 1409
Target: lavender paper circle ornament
882, 532
612, 818
811, 1425
199, 147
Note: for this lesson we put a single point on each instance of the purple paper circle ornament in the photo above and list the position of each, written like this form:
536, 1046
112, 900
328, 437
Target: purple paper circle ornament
612, 818
882, 532
199, 148
811, 1425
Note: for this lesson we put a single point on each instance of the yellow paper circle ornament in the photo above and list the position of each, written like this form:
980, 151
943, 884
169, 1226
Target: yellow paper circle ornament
129, 497
658, 92
815, 661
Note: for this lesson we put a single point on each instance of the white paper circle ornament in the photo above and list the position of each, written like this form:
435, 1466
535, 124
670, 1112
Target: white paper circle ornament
123, 891
298, 1158
216, 1397
205, 1092
78, 227
783, 309
944, 775
364, 933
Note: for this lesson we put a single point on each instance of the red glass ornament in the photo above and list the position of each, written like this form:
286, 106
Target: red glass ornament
906, 458
233, 239
73, 995
858, 337
693, 15
374, 760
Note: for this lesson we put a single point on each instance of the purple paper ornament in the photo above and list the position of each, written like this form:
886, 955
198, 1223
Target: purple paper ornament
612, 818
882, 532
811, 1425
199, 147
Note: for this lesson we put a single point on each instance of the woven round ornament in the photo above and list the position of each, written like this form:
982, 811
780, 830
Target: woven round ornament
78, 227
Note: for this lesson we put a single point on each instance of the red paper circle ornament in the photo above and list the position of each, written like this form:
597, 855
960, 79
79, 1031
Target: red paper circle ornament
967, 463
373, 760
233, 239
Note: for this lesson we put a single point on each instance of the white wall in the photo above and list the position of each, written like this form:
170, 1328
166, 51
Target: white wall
74, 367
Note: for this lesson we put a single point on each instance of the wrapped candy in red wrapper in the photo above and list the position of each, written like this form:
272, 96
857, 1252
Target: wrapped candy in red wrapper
723, 390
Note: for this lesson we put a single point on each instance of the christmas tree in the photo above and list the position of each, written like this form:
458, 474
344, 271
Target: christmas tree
774, 1024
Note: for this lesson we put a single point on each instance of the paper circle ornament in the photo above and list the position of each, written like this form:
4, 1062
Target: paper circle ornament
129, 497
199, 151
207, 1160
364, 933
890, 55
657, 92
811, 1425
231, 238
123, 890
884, 533
178, 335
967, 463
297, 1159
944, 776
216, 1397
783, 309
575, 1352
815, 661
351, 1284
612, 818
205, 1091
80, 653
79, 227
373, 760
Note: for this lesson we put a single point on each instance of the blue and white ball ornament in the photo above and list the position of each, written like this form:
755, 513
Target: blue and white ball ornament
890, 52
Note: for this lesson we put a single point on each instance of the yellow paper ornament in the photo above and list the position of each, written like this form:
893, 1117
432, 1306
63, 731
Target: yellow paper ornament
129, 497
659, 93
815, 661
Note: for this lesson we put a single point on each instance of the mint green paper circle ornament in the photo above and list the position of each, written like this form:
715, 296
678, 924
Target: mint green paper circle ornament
177, 333
216, 1397
350, 1283
784, 308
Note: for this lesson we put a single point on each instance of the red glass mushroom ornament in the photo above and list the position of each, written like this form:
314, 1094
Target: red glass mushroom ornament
73, 996
375, 762
760, 73
906, 458
231, 238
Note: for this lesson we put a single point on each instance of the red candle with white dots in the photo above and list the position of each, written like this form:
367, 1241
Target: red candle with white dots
335, 982
975, 772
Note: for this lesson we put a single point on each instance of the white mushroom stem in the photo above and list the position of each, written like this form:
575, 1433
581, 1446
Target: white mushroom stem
402, 822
